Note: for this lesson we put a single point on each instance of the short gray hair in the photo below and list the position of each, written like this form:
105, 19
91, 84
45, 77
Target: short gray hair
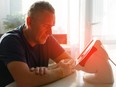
40, 6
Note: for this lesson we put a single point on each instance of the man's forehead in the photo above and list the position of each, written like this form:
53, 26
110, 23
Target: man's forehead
45, 14
48, 19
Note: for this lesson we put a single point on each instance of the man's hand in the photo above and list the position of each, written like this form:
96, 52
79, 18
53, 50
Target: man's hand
39, 70
67, 66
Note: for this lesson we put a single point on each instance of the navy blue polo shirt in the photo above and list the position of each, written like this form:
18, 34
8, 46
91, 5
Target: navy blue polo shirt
14, 47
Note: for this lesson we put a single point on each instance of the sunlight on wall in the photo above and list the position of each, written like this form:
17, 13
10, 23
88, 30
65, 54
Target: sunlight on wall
109, 21
74, 21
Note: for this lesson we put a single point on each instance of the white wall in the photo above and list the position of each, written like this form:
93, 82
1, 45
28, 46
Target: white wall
8, 7
4, 10
16, 6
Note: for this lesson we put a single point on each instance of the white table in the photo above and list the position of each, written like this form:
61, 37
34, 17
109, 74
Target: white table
76, 80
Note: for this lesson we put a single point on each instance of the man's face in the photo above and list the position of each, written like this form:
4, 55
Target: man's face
41, 27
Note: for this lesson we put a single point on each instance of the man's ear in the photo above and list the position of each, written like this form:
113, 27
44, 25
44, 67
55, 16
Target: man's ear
28, 20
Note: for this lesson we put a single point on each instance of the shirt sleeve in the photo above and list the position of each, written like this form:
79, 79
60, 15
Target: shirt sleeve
11, 49
54, 48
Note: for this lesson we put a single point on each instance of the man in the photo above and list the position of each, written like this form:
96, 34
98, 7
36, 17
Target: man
25, 51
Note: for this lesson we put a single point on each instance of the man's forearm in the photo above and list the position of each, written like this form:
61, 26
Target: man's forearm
25, 78
50, 76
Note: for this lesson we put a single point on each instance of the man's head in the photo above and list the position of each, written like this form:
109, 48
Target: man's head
39, 7
39, 21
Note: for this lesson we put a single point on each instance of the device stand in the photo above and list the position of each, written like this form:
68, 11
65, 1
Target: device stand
97, 68
103, 73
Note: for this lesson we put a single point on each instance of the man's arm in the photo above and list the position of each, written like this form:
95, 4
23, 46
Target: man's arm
64, 56
25, 78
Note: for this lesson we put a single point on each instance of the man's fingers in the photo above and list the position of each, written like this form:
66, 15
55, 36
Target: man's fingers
69, 62
42, 70
32, 69
37, 70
